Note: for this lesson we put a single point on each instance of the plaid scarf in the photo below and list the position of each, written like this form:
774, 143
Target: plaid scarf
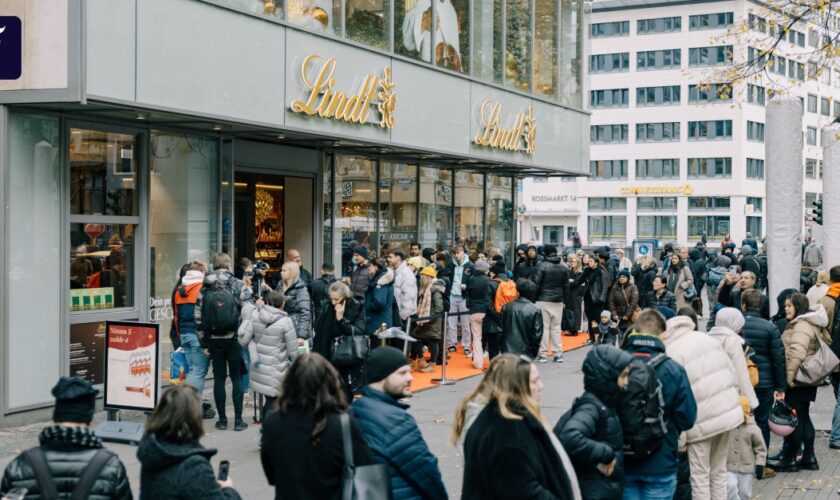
80, 436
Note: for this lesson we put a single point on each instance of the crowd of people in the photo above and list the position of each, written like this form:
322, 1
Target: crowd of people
669, 410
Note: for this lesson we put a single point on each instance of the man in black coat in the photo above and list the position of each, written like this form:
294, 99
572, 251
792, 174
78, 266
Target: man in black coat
68, 447
360, 278
522, 322
527, 268
769, 354
320, 288
552, 281
479, 294
591, 432
731, 297
660, 295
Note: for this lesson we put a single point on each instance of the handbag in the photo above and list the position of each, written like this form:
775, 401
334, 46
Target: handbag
688, 288
813, 370
350, 350
367, 482
635, 313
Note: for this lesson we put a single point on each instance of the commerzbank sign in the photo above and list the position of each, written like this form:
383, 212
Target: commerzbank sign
684, 189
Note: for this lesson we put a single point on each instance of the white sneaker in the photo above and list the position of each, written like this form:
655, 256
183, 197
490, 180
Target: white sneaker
542, 359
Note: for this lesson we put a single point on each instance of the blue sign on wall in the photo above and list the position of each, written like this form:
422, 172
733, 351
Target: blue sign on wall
11, 52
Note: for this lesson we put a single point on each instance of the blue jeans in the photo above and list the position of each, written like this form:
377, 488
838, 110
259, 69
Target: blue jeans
649, 487
457, 303
246, 376
197, 361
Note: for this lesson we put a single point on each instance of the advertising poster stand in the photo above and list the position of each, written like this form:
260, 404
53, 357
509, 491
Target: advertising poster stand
131, 377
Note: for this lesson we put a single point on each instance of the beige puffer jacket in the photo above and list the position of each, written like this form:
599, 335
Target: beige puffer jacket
800, 339
711, 375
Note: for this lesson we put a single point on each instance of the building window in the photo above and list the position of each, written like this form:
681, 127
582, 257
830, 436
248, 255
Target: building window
369, 22
756, 94
813, 38
469, 210
660, 25
518, 44
709, 167
487, 40
811, 136
713, 226
608, 133
796, 38
659, 59
758, 57
657, 226
397, 202
796, 70
836, 108
608, 204
500, 215
604, 227
610, 98
545, 48
656, 203
812, 103
757, 205
616, 28
710, 56
571, 52
755, 168
435, 208
710, 21
709, 93
668, 168
708, 203
609, 63
754, 225
413, 38
755, 131
607, 169
810, 168
552, 235
710, 130
658, 132
778, 65
825, 106
658, 96
757, 23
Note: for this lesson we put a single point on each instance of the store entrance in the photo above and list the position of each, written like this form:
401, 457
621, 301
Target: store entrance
272, 214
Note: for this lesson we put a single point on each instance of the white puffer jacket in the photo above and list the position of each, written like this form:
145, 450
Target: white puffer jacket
733, 344
711, 375
271, 338
405, 291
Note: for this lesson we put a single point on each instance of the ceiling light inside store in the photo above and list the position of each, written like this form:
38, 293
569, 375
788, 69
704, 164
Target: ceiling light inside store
270, 187
217, 127
281, 136
142, 116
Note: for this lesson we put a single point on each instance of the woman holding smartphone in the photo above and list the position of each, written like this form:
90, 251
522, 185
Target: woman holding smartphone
344, 315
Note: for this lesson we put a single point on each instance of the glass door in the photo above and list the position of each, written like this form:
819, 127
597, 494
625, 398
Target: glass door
104, 240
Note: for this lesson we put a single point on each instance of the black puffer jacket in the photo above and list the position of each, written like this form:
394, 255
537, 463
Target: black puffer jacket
667, 299
68, 450
592, 434
479, 292
178, 471
522, 325
552, 280
769, 352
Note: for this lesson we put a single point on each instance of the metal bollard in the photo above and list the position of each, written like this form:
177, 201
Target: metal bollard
443, 380
407, 331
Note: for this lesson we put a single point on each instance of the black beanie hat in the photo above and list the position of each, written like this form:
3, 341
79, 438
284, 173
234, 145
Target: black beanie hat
75, 400
383, 361
498, 268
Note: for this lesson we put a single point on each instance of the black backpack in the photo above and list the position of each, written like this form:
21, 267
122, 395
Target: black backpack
219, 312
642, 409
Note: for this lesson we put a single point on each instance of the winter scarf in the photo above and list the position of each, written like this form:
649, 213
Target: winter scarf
425, 307
834, 291
79, 436
192, 277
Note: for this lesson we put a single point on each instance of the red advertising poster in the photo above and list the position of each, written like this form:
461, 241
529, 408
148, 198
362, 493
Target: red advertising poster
131, 365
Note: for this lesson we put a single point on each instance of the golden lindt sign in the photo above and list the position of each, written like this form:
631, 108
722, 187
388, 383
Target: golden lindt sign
521, 136
324, 101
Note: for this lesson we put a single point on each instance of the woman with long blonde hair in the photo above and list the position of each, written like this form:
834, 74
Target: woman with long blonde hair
574, 299
509, 451
298, 303
428, 332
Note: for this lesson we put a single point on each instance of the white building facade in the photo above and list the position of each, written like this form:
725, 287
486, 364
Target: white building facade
671, 160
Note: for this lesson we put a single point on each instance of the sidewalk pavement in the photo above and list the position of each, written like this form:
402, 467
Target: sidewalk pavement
434, 410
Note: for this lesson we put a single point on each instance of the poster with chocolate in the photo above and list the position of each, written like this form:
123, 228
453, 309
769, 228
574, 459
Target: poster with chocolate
131, 365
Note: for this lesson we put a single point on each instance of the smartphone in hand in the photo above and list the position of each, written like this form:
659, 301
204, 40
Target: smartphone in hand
224, 470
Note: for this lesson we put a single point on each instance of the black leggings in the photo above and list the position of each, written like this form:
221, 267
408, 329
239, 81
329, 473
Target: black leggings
804, 433
226, 356
593, 313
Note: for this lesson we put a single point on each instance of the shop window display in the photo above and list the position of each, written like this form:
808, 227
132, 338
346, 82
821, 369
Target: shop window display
500, 216
545, 48
368, 22
323, 16
397, 206
450, 41
469, 210
487, 40
435, 208
101, 266
269, 8
356, 219
571, 52
103, 173
518, 44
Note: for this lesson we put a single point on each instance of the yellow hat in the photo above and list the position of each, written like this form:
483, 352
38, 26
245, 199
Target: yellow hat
415, 262
429, 271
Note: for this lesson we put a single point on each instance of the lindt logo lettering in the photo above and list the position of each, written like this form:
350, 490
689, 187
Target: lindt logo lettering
11, 55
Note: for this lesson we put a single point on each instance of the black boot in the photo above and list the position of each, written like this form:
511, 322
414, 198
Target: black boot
808, 462
208, 410
786, 464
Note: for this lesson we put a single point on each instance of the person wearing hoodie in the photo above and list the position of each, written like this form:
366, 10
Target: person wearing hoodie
269, 334
184, 299
480, 295
360, 278
591, 431
715, 387
768, 353
320, 296
298, 304
173, 464
748, 262
717, 274
727, 331
428, 332
805, 326
552, 280
379, 299
460, 268
655, 476
527, 267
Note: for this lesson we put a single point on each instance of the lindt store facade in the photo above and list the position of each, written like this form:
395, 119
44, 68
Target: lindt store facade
144, 134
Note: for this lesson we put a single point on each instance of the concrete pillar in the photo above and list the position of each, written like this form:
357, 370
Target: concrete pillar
783, 164
830, 240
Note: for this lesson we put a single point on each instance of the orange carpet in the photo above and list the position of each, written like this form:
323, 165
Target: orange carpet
460, 367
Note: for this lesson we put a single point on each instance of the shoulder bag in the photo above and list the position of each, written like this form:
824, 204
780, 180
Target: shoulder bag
818, 366
350, 350
634, 313
368, 482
